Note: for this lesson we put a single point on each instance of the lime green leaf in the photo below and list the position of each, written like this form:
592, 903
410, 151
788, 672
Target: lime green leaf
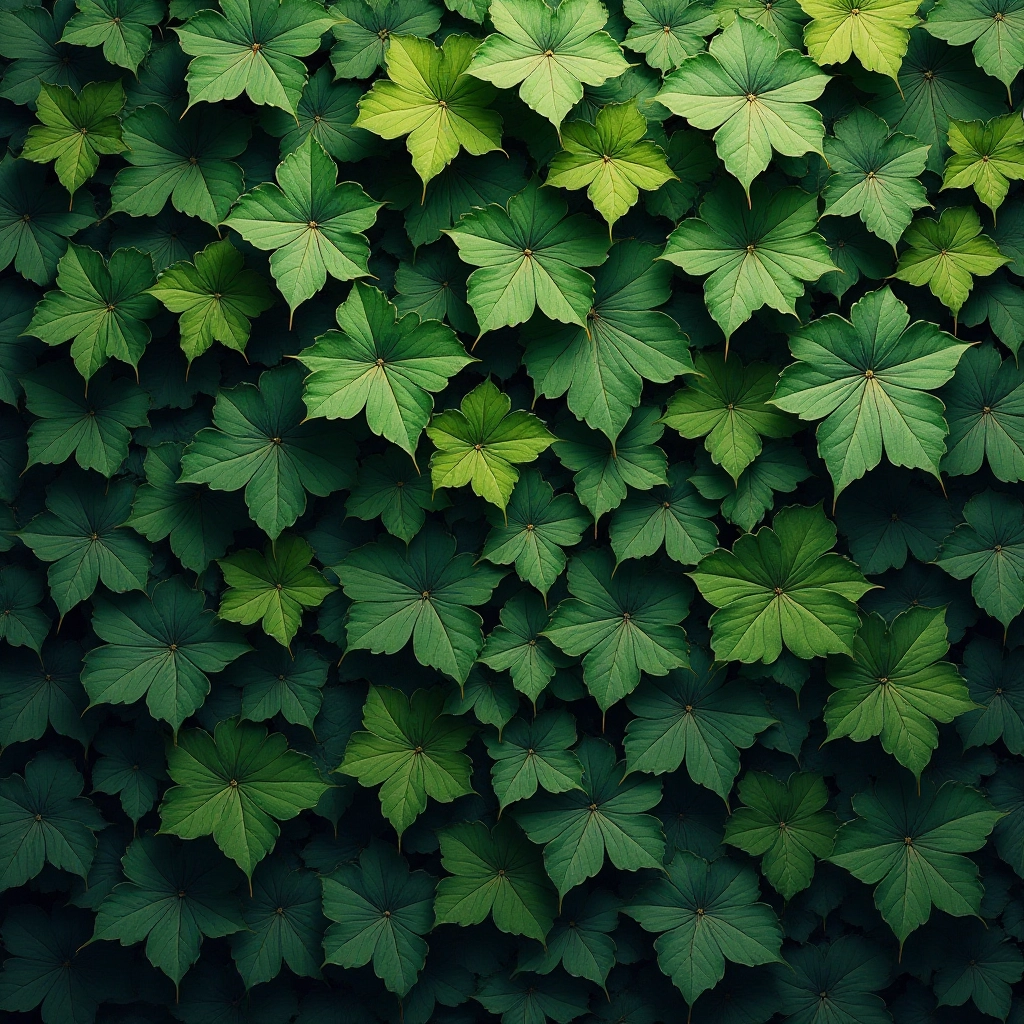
430, 98
381, 363
786, 825
610, 160
482, 442
496, 873
253, 47
75, 131
236, 786
411, 750
779, 587
215, 296
549, 53
876, 32
274, 587
311, 223
986, 157
757, 98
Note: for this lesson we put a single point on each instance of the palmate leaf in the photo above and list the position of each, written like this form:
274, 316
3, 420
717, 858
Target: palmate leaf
610, 160
549, 53
606, 816
252, 47
996, 686
121, 27
780, 587
160, 648
986, 157
236, 786
75, 131
707, 915
529, 255
756, 253
131, 765
411, 750
532, 997
23, 623
434, 285
785, 19
868, 379
381, 910
382, 364
311, 223
996, 27
626, 340
364, 36
910, 845
482, 442
757, 98
877, 32
494, 873
430, 98
623, 622
286, 682
666, 32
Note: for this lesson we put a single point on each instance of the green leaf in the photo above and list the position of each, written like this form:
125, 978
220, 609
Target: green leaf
785, 19
494, 873
947, 255
381, 910
549, 53
757, 253
666, 32
876, 32
215, 296
364, 35
610, 160
199, 524
530, 256
996, 27
779, 587
531, 998
284, 925
121, 27
161, 648
1006, 791
986, 157
1002, 305
434, 286
623, 622
175, 894
75, 131
35, 223
389, 487
695, 716
531, 754
606, 816
604, 364
785, 824
93, 427
707, 915
281, 682
425, 593
910, 845
24, 623
262, 442
988, 548
17, 356
518, 646
81, 536
985, 409
867, 378
311, 223
676, 516
996, 686
430, 98
411, 750
726, 404
713, 90
381, 363
603, 468
132, 765
99, 307
980, 964
482, 442
236, 786
693, 161
875, 173
273, 588
534, 529
492, 699
44, 819
253, 47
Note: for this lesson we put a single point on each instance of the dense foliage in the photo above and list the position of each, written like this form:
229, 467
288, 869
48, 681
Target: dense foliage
511, 512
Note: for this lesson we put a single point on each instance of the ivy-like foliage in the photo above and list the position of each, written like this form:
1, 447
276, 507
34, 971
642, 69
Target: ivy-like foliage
511, 510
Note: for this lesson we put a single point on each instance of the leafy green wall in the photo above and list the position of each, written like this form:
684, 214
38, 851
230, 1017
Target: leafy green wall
511, 512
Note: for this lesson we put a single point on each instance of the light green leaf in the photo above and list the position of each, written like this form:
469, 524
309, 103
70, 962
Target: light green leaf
986, 157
